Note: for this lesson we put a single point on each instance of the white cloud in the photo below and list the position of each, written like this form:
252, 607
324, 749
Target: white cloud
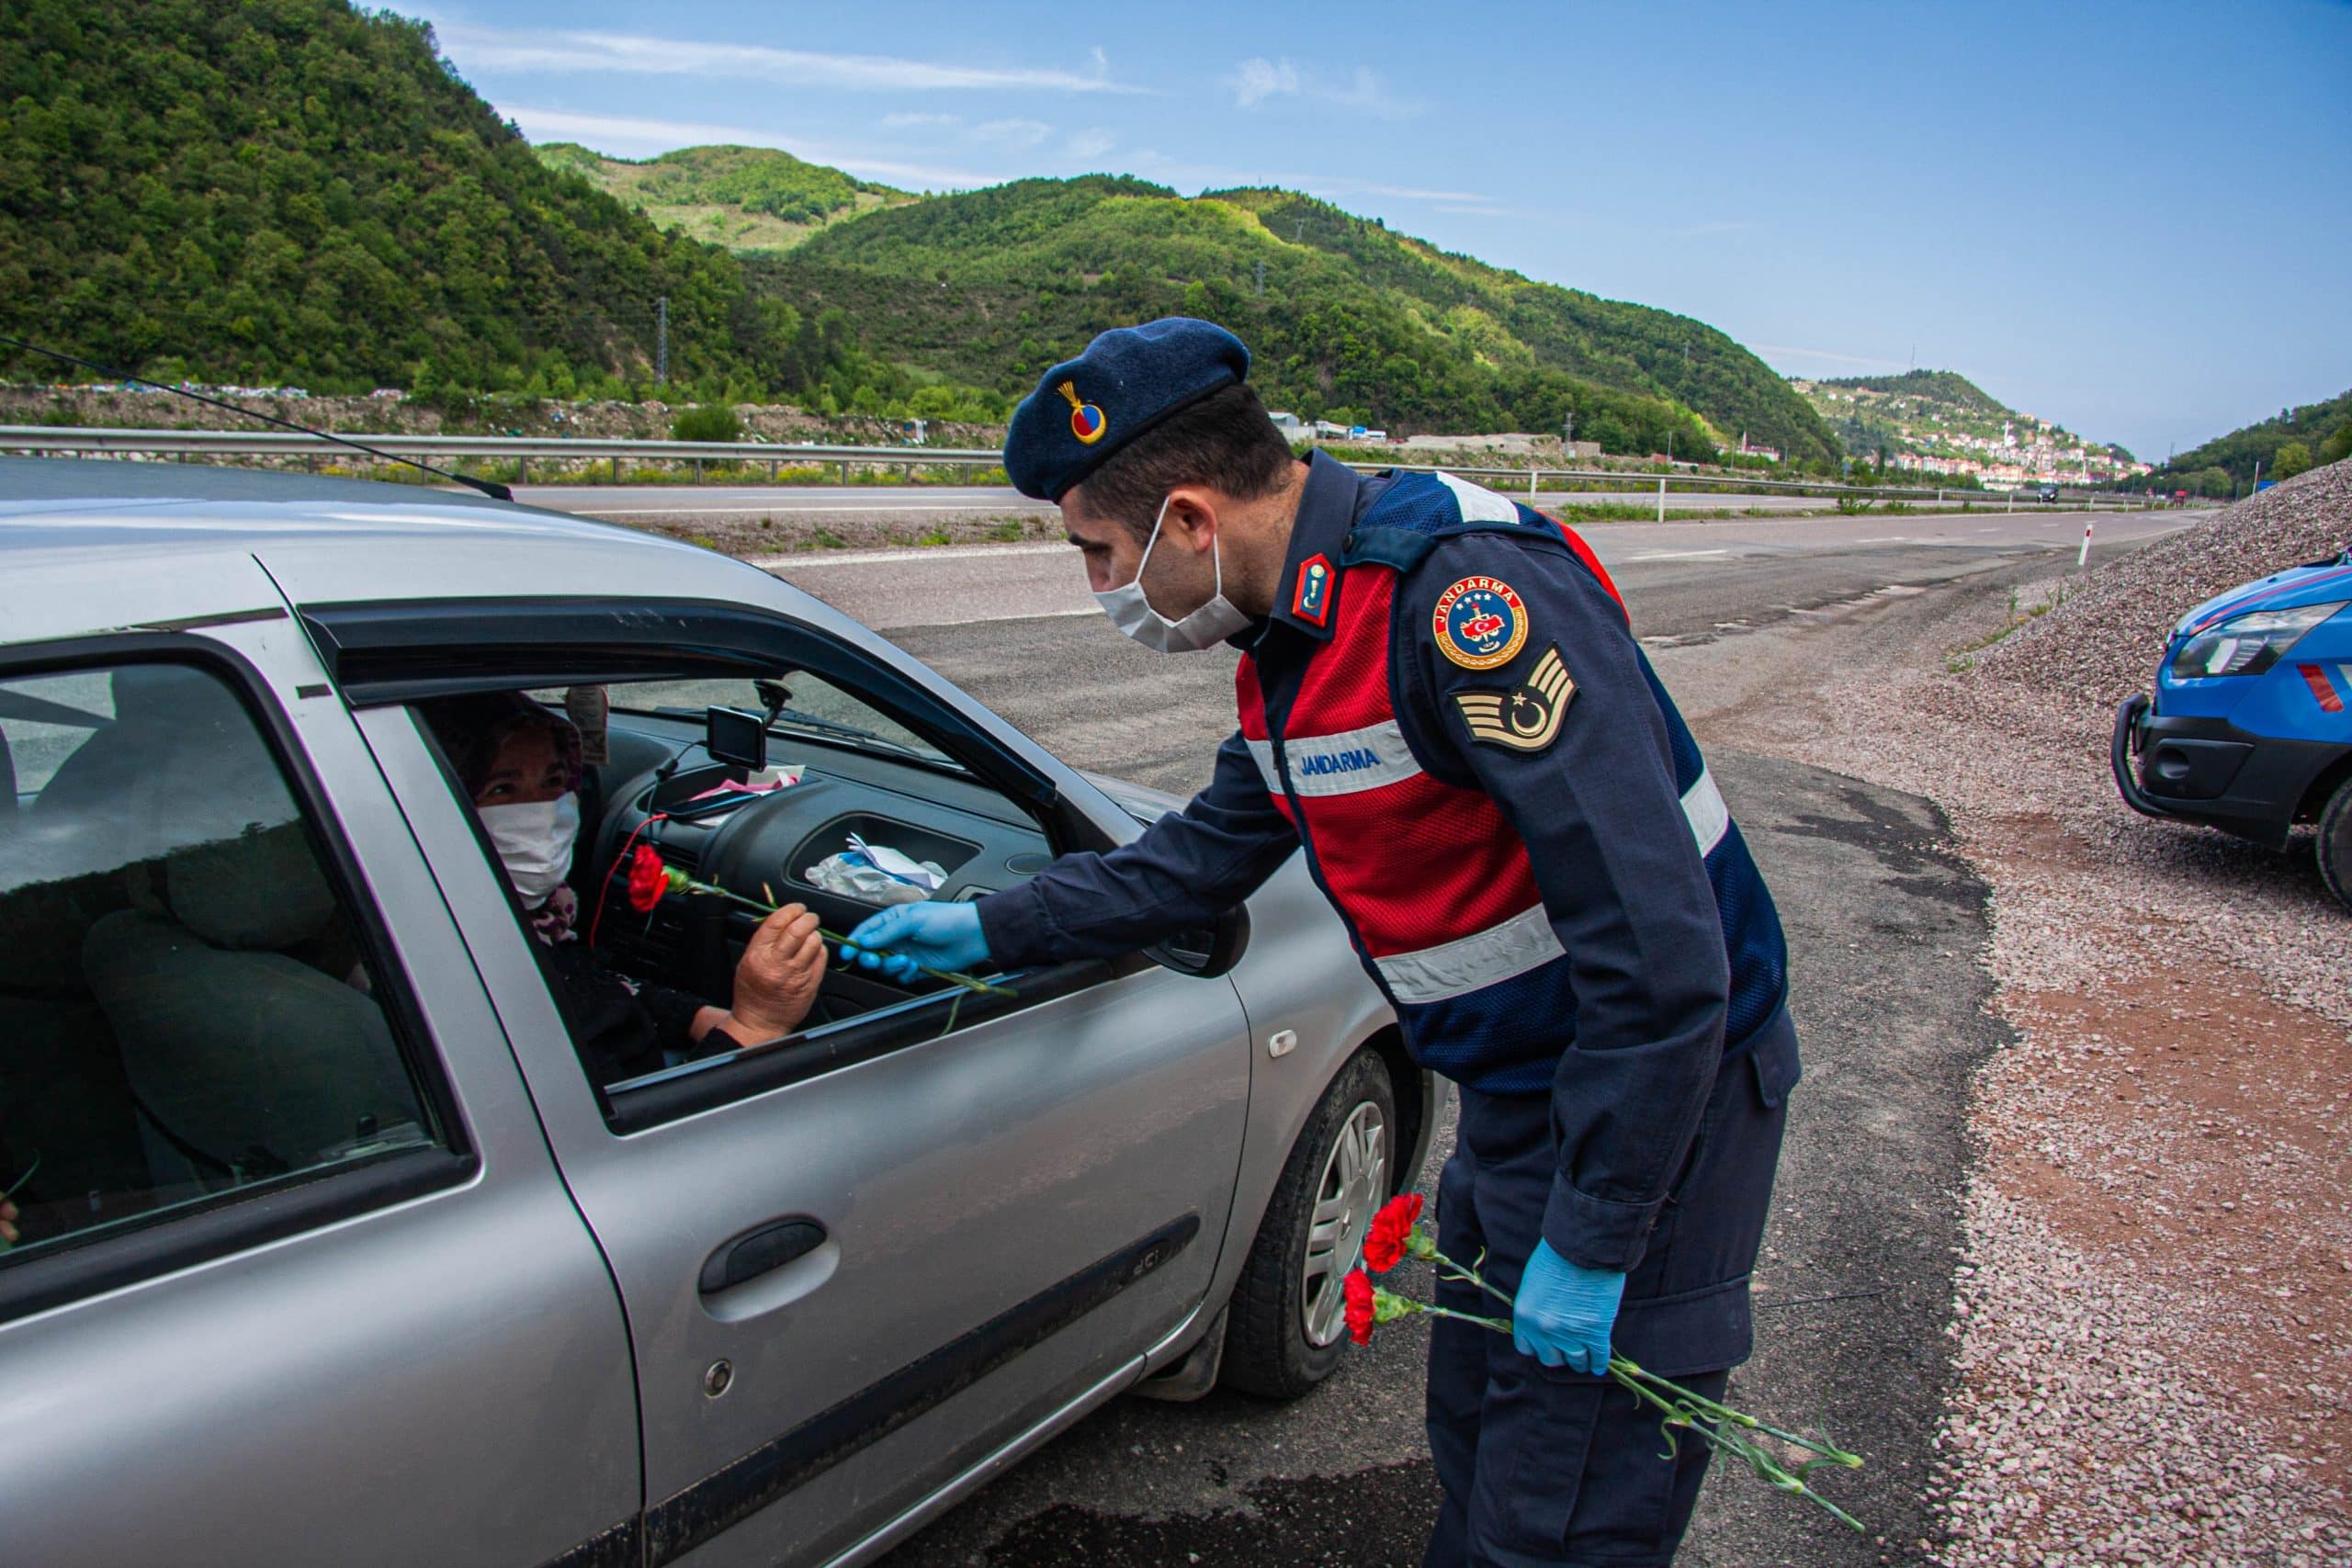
1366, 90
1016, 134
629, 136
1254, 81
901, 122
1091, 143
1257, 79
472, 47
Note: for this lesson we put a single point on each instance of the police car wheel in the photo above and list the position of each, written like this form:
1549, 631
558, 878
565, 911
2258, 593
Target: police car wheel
1286, 1330
2335, 844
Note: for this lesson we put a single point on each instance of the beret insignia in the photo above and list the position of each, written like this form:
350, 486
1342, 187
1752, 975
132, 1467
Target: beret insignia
1086, 420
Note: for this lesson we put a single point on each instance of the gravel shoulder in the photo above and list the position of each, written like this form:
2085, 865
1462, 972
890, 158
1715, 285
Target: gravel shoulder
2153, 1342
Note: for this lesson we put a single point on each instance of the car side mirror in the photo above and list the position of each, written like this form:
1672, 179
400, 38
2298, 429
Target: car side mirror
1203, 952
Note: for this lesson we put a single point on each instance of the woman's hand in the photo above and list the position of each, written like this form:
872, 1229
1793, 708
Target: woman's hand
777, 979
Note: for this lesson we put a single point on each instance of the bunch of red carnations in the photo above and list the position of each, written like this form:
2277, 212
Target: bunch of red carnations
1397, 1234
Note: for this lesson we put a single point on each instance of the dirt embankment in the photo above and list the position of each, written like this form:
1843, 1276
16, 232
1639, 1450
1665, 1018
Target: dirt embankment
2153, 1309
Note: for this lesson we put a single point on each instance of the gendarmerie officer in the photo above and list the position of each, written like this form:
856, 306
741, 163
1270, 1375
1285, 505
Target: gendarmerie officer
1441, 702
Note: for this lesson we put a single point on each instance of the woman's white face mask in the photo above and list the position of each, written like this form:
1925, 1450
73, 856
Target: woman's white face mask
533, 842
1204, 627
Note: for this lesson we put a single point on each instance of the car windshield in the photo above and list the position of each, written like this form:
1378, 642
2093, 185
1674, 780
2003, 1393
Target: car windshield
811, 707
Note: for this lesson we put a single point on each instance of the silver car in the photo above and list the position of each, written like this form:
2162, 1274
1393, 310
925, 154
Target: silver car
328, 1249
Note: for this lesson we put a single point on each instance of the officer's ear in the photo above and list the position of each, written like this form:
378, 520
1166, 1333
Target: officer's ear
1194, 515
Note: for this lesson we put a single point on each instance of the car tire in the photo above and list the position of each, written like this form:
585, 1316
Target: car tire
2335, 847
1287, 1328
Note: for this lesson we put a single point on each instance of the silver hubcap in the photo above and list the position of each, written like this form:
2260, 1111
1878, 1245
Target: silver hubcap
1355, 1181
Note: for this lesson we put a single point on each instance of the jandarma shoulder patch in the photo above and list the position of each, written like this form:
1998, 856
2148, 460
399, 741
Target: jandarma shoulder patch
1480, 623
1526, 718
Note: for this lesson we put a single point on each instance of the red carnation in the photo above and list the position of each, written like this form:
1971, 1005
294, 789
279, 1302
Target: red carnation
1358, 1286
1392, 1228
649, 879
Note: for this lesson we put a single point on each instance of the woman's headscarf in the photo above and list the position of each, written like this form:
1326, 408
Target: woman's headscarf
471, 729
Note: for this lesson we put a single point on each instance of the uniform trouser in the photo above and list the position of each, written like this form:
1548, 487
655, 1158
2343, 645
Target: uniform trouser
1542, 1465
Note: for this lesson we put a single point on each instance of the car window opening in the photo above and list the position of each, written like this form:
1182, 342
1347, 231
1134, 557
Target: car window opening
853, 812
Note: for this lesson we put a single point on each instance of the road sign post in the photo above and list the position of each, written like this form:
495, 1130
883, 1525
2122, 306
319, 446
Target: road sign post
2083, 556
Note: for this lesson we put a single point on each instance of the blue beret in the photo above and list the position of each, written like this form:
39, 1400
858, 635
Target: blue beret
1128, 379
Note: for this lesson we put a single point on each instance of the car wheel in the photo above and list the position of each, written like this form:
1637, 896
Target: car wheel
2335, 844
1287, 1320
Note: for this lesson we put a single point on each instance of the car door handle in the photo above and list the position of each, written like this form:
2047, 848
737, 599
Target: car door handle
756, 1252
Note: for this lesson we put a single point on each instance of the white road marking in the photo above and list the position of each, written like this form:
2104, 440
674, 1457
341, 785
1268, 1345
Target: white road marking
1673, 555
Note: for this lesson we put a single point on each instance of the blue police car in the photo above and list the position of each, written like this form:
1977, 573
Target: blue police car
2250, 729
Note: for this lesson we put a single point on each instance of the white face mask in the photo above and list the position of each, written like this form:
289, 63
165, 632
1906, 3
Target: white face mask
1204, 627
534, 844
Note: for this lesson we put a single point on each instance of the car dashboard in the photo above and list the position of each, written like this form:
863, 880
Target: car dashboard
763, 847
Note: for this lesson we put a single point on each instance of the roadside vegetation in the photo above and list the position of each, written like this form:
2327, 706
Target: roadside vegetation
2296, 440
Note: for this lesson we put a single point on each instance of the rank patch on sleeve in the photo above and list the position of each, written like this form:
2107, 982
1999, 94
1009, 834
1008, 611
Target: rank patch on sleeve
1312, 602
1480, 623
1527, 718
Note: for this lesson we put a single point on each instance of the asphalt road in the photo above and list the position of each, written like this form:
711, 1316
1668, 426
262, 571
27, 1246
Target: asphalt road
1691, 577
633, 502
1883, 925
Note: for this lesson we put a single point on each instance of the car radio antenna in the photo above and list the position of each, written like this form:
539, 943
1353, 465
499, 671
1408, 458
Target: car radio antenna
490, 487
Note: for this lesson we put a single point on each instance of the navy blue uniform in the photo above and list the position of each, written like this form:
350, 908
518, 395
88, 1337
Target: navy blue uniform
1449, 712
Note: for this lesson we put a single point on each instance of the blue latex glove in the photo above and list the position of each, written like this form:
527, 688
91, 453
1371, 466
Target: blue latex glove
1564, 1311
945, 936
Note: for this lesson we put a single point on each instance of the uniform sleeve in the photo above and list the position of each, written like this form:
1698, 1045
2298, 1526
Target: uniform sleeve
1187, 868
1568, 739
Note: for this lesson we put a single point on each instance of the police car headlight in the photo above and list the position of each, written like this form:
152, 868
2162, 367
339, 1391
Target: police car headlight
2248, 644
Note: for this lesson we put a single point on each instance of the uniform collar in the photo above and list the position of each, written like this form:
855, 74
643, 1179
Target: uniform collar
1307, 597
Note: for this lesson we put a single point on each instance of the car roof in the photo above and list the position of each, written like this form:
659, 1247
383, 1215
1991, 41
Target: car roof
353, 538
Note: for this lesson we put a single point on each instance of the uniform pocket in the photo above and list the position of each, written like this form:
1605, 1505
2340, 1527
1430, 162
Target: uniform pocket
1774, 1054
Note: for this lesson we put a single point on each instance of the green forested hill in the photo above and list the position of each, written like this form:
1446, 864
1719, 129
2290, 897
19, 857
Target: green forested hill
292, 191
1349, 320
2316, 425
746, 198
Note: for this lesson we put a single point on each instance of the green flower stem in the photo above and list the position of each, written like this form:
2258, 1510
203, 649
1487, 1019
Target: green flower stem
1456, 1271
17, 1185
1500, 1325
1718, 1425
968, 982
1725, 1412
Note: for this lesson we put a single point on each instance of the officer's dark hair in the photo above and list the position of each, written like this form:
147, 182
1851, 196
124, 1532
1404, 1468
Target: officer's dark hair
1226, 440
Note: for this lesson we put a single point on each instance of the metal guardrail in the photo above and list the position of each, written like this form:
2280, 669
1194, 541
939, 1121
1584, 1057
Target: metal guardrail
86, 440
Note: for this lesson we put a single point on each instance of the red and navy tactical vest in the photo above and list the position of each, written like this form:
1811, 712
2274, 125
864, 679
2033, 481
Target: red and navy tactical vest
1433, 884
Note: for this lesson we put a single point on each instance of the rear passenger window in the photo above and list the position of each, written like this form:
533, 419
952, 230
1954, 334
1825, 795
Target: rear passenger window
184, 1006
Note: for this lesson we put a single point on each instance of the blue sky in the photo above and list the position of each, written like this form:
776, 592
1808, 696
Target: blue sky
2134, 219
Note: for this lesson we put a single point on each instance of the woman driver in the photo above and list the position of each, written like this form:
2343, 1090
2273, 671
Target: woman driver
520, 763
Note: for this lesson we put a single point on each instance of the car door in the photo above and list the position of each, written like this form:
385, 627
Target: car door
297, 1280
854, 1268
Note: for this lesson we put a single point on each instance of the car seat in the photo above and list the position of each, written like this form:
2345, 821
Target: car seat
64, 1098
245, 1061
